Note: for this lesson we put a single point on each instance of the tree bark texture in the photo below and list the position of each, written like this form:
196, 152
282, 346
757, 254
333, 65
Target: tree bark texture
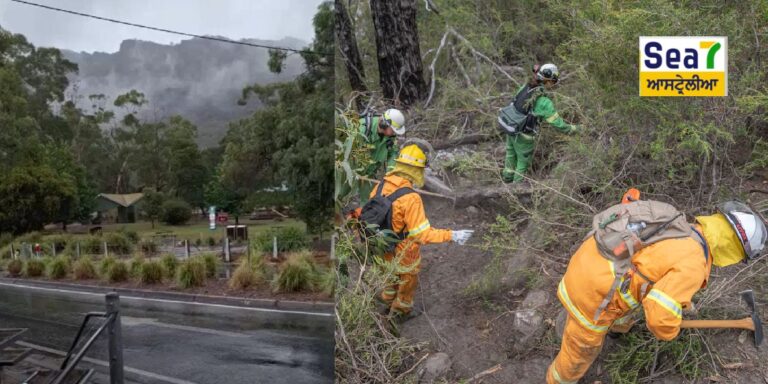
347, 44
397, 47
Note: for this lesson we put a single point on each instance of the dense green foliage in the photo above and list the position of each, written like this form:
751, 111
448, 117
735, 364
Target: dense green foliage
290, 141
176, 212
289, 239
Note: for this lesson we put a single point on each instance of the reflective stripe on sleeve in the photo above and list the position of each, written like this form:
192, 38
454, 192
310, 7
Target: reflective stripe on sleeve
552, 118
666, 302
575, 311
419, 229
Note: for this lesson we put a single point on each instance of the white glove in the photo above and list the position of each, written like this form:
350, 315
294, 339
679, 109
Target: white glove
461, 236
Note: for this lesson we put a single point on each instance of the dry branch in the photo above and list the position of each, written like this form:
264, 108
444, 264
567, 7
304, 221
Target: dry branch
432, 69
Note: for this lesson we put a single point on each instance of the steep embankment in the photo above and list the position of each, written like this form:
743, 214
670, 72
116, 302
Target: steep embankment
491, 306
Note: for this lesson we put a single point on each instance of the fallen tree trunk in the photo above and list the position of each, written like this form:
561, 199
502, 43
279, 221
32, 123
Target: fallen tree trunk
477, 196
474, 138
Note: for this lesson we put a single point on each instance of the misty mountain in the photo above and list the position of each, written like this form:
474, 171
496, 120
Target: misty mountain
198, 79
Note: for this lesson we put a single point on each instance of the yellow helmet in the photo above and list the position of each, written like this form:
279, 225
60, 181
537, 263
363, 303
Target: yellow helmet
412, 155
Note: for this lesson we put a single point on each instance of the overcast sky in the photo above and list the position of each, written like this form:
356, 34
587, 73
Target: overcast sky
234, 19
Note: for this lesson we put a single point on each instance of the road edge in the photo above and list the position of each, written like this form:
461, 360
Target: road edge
287, 305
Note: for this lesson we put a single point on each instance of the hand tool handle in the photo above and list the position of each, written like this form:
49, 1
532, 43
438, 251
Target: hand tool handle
745, 323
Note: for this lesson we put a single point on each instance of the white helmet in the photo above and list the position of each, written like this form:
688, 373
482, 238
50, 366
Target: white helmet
548, 72
396, 120
749, 228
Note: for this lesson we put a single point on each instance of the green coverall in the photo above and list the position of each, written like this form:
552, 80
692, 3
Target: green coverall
383, 153
520, 145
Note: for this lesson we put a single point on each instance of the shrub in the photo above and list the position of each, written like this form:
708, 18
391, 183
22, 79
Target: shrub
149, 247
297, 273
117, 272
211, 264
106, 264
289, 239
212, 241
176, 212
34, 268
192, 273
5, 239
31, 237
129, 234
326, 281
15, 267
198, 242
60, 242
246, 275
83, 269
136, 263
169, 262
151, 272
59, 267
47, 260
89, 245
119, 243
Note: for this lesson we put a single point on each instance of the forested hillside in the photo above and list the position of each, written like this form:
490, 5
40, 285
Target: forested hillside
199, 79
492, 307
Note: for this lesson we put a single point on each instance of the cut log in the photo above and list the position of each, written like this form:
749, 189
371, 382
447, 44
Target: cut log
468, 139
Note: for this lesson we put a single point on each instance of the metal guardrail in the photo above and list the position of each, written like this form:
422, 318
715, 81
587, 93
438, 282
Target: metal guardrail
114, 337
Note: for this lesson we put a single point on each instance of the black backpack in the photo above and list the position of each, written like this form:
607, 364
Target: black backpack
517, 117
376, 218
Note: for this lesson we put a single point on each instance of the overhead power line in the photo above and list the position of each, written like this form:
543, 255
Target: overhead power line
171, 31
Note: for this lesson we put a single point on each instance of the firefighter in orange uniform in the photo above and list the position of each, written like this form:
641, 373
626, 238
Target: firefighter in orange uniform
669, 273
409, 218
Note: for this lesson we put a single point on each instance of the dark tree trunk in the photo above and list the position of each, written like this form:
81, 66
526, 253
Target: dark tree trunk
397, 47
345, 40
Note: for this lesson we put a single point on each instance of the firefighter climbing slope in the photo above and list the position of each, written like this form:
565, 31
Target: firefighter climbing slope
520, 120
644, 254
396, 207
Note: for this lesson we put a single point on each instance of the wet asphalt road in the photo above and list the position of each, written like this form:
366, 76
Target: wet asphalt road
185, 342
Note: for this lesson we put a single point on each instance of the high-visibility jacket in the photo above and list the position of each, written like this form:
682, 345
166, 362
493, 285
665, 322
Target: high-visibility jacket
544, 109
670, 273
383, 148
408, 217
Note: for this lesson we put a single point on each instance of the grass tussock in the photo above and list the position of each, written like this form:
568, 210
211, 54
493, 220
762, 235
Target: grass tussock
59, 268
170, 263
151, 273
34, 268
246, 275
15, 267
298, 273
117, 272
191, 273
211, 262
84, 269
135, 265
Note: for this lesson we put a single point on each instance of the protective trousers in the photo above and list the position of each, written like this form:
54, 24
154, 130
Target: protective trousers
519, 152
579, 348
399, 296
